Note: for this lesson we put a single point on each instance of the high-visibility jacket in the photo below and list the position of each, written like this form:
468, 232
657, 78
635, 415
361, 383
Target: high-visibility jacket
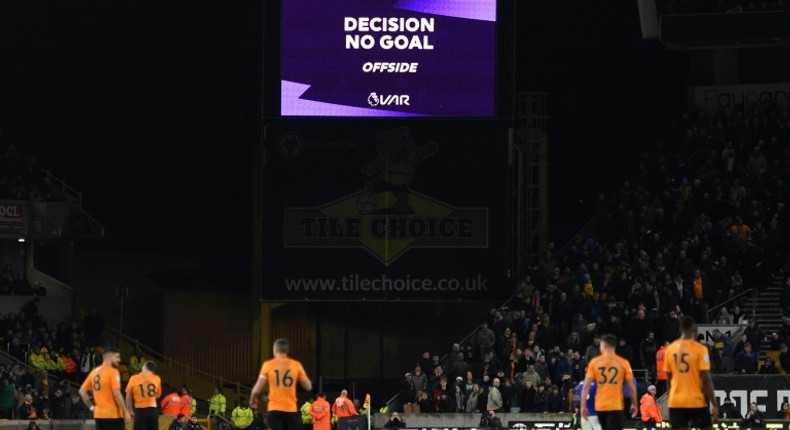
242, 417
649, 409
321, 414
192, 406
217, 404
343, 407
305, 412
70, 365
136, 364
61, 363
661, 374
186, 405
171, 404
37, 361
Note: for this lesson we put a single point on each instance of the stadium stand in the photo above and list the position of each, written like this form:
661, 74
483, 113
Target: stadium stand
699, 226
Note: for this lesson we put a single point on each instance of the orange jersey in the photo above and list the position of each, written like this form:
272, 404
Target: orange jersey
171, 404
146, 387
101, 382
661, 375
321, 413
685, 360
610, 373
283, 374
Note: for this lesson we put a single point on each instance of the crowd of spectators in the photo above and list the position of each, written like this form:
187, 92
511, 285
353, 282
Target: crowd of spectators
720, 6
701, 221
15, 284
49, 360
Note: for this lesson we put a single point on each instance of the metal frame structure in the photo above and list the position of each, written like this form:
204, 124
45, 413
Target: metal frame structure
531, 150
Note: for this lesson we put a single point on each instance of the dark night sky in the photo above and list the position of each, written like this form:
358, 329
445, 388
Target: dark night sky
137, 105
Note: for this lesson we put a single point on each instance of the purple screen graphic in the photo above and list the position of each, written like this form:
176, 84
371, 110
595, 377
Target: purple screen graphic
388, 58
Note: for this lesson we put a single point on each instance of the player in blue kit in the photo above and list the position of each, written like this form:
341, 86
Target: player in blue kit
591, 422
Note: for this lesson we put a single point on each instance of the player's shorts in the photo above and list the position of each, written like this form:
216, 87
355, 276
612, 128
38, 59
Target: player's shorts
109, 424
611, 420
680, 418
146, 419
591, 423
279, 420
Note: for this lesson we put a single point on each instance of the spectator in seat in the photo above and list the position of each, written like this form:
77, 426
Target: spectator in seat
7, 398
722, 347
728, 410
769, 368
784, 411
424, 401
647, 352
442, 396
495, 401
671, 327
394, 421
540, 399
528, 397
746, 362
458, 398
192, 424
77, 409
755, 335
419, 379
485, 340
554, 400
774, 341
475, 402
724, 317
32, 425
59, 401
242, 416
738, 315
754, 418
179, 421
27, 411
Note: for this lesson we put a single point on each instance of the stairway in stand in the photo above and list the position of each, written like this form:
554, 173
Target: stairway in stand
769, 315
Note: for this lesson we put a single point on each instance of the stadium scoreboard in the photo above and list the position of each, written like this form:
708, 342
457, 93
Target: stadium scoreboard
388, 58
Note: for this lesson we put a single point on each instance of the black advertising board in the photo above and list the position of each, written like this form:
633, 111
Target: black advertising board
382, 210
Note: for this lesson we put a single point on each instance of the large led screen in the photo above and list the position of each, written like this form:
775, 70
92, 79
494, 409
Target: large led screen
388, 58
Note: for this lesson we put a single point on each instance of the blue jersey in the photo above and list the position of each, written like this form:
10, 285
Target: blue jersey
590, 397
626, 393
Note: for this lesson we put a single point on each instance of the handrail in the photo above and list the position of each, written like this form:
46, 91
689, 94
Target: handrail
737, 296
64, 187
173, 364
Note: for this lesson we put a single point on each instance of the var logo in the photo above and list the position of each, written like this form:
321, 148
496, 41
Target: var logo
391, 99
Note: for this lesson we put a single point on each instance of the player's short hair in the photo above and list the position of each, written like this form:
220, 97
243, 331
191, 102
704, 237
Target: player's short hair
687, 323
321, 394
150, 365
609, 340
110, 350
281, 345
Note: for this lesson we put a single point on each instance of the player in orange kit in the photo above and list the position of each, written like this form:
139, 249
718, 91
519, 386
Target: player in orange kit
282, 374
